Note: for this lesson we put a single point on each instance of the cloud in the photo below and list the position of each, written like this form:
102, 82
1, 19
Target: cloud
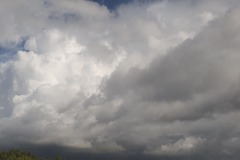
154, 79
182, 146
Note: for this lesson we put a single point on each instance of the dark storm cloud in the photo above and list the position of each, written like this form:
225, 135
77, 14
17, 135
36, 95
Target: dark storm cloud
208, 62
196, 83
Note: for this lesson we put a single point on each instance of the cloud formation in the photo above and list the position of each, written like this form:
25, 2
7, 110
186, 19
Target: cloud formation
157, 79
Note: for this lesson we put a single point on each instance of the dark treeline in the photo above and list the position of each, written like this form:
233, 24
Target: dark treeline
14, 154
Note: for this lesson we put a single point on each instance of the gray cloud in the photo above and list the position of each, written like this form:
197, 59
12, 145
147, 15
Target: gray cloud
156, 80
196, 83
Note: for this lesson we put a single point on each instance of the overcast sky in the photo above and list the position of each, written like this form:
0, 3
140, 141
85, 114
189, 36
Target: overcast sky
143, 79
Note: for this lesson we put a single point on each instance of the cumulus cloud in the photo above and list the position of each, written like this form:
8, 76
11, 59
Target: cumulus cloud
157, 79
182, 146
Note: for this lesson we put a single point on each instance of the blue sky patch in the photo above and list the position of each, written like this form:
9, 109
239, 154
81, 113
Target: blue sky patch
112, 4
12, 48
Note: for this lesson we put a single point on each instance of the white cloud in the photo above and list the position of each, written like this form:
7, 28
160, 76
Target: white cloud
180, 147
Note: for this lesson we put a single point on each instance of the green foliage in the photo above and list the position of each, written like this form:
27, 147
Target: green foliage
16, 155
58, 158
20, 155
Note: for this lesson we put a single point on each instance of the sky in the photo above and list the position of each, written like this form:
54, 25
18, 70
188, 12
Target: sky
112, 4
142, 79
